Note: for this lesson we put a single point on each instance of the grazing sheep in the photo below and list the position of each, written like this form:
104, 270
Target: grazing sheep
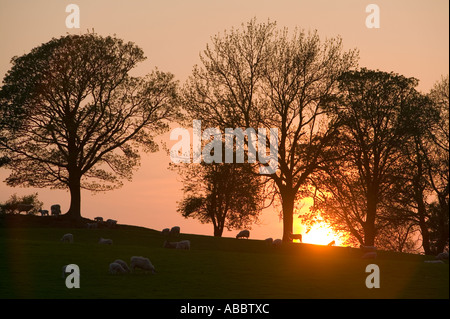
105, 241
295, 236
67, 238
277, 243
116, 269
269, 241
165, 231
168, 244
434, 261
111, 222
142, 263
24, 208
123, 264
43, 212
370, 255
55, 209
98, 219
91, 225
175, 231
442, 256
243, 234
184, 244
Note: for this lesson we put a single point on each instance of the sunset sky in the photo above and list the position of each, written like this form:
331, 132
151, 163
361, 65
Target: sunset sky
413, 40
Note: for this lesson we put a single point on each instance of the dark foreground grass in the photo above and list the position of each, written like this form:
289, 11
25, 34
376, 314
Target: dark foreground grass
31, 261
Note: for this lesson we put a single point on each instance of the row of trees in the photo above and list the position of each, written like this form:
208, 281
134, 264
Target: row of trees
366, 145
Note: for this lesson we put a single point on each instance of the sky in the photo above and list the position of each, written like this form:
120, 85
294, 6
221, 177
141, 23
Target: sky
412, 40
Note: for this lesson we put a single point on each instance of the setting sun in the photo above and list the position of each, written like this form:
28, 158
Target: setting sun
321, 234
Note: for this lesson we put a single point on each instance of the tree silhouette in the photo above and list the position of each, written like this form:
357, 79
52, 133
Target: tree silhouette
377, 114
262, 77
82, 117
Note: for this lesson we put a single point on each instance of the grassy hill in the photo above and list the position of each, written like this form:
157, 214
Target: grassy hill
32, 256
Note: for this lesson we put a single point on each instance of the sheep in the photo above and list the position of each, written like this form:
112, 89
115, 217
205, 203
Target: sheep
295, 236
243, 234
277, 243
116, 269
434, 261
184, 244
98, 219
67, 238
24, 208
105, 241
142, 263
43, 212
370, 255
268, 241
442, 256
55, 209
165, 231
332, 243
168, 244
123, 264
111, 222
175, 231
91, 225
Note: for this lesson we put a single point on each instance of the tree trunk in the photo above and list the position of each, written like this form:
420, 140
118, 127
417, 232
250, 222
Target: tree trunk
74, 212
288, 214
369, 225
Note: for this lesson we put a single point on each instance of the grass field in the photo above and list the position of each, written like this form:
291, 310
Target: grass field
31, 261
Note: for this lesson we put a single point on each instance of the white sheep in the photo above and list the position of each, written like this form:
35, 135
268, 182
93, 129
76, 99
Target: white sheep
116, 269
142, 263
67, 238
184, 244
123, 264
243, 234
175, 231
105, 241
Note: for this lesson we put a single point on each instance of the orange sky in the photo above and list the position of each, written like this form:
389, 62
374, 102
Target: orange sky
413, 40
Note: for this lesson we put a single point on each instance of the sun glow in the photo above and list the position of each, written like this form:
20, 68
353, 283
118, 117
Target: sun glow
322, 234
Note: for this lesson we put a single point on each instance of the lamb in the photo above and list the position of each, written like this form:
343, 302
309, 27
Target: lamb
43, 212
67, 238
116, 269
442, 256
105, 241
123, 264
243, 234
175, 231
142, 263
295, 236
